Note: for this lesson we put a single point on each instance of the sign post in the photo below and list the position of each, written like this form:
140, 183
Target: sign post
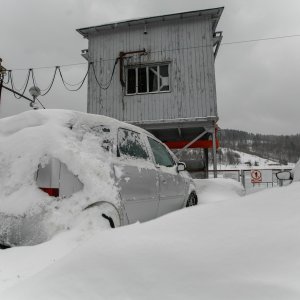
256, 176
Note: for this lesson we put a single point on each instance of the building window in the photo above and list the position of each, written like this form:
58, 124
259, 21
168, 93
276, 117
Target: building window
147, 79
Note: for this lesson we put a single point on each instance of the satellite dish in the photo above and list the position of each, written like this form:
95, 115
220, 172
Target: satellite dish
34, 91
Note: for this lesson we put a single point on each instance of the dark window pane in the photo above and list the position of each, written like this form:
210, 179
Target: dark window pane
131, 83
161, 154
142, 80
130, 144
153, 79
164, 70
164, 78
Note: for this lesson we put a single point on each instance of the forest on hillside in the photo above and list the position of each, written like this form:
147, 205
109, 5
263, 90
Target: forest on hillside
281, 148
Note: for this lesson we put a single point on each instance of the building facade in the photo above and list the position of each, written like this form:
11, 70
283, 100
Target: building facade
157, 73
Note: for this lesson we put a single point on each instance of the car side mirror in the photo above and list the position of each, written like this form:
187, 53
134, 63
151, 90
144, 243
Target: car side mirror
181, 166
284, 175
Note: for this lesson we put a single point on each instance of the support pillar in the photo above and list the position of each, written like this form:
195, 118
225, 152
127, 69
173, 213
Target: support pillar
214, 152
206, 161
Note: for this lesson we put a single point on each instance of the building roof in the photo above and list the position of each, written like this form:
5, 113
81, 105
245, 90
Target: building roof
213, 13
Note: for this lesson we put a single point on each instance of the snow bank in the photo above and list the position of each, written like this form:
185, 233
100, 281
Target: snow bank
244, 248
219, 189
32, 138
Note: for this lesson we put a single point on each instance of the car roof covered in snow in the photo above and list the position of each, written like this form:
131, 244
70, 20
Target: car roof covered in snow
61, 117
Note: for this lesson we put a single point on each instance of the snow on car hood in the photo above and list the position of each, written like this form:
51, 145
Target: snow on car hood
32, 138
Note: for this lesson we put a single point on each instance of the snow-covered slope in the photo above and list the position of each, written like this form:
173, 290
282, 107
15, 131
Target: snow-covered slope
249, 160
243, 248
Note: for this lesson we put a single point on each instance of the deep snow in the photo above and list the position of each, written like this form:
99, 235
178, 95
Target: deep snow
242, 248
230, 246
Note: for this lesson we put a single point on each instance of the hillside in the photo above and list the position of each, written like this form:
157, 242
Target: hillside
234, 158
279, 148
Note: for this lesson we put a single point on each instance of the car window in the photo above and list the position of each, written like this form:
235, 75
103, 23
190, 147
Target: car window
130, 144
161, 154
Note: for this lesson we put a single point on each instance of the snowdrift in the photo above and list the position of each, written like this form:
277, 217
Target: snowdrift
243, 248
32, 138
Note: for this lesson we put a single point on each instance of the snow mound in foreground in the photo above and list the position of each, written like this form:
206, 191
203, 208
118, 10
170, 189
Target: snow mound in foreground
236, 249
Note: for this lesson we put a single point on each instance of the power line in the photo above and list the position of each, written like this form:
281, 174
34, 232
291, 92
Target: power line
105, 86
80, 83
47, 67
67, 85
262, 39
41, 103
168, 50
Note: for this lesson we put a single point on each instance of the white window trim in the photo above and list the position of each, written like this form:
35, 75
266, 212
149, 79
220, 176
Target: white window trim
136, 67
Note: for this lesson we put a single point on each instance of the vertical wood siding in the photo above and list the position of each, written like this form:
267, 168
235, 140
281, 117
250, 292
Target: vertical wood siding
187, 44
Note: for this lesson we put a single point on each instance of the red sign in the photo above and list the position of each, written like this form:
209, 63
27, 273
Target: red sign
256, 176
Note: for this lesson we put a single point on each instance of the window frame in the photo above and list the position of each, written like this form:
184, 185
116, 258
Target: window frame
136, 67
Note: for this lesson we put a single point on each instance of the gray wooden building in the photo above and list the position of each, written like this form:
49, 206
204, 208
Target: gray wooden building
158, 73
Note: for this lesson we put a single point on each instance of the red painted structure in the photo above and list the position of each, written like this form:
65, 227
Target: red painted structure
198, 144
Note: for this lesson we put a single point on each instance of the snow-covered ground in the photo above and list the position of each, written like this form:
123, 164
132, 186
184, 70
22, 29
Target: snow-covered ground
220, 189
246, 247
252, 161
230, 246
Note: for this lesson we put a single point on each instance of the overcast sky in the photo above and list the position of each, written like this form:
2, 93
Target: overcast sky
258, 83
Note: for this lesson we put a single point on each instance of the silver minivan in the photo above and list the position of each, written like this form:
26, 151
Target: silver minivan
150, 180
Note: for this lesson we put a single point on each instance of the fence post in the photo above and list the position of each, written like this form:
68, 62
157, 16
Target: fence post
243, 178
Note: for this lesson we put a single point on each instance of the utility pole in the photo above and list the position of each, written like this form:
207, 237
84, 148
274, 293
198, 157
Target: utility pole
2, 74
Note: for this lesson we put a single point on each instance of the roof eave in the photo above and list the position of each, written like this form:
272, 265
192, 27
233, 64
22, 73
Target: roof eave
215, 14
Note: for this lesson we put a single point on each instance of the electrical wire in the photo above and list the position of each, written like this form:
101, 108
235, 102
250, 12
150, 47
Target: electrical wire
51, 83
72, 84
262, 39
40, 103
48, 67
12, 81
25, 87
174, 49
107, 85
81, 84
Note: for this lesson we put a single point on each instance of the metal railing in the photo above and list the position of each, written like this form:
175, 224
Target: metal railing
258, 178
